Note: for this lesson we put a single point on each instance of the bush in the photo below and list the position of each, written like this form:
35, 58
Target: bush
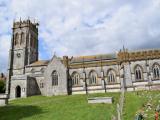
2, 86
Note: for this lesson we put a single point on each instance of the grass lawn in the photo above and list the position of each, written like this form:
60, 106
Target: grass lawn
74, 107
137, 101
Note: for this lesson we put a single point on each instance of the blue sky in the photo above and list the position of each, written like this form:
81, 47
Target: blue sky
83, 27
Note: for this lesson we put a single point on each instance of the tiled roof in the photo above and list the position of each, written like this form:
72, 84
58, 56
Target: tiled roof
144, 50
39, 63
93, 58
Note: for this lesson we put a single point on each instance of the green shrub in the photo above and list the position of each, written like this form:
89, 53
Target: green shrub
2, 86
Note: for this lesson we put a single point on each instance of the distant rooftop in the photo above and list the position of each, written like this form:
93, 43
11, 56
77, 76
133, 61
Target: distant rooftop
93, 58
141, 50
39, 63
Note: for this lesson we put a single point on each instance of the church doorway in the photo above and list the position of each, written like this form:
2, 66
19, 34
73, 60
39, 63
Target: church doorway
18, 91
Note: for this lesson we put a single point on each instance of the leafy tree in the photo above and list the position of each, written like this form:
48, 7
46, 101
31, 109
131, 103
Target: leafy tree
2, 86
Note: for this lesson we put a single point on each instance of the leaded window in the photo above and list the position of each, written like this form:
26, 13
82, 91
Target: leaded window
75, 79
156, 72
111, 76
138, 73
54, 78
93, 78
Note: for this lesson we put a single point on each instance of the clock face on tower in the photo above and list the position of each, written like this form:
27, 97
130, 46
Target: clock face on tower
18, 55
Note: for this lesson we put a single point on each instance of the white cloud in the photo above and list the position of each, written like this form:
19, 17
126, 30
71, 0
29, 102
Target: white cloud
4, 52
83, 27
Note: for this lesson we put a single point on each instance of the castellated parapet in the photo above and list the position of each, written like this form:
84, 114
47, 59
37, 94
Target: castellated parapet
26, 23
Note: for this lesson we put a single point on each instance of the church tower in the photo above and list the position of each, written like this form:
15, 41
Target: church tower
24, 48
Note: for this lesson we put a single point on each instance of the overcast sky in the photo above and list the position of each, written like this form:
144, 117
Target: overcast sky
83, 27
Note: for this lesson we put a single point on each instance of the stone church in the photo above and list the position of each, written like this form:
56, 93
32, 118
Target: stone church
27, 75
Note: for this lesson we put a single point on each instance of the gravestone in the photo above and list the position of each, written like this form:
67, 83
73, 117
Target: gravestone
3, 99
100, 100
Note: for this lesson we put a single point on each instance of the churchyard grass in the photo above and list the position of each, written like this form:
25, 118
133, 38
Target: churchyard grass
73, 107
142, 101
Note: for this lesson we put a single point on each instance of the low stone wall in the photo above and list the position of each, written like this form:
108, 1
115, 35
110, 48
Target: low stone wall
3, 99
100, 100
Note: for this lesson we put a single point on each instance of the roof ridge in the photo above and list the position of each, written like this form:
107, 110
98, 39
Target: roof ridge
93, 56
141, 50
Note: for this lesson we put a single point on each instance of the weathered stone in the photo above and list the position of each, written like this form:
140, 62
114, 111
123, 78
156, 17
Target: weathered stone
3, 99
100, 100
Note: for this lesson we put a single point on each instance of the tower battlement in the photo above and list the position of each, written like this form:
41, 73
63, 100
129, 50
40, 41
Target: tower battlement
25, 23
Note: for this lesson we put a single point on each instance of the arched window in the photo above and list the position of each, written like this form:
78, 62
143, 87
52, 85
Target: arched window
22, 38
111, 76
92, 78
138, 73
16, 39
75, 78
156, 72
54, 78
32, 41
